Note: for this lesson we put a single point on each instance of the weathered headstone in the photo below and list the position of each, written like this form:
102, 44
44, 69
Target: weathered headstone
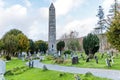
96, 58
19, 56
112, 59
2, 69
75, 60
59, 54
31, 63
72, 54
108, 62
87, 60
81, 56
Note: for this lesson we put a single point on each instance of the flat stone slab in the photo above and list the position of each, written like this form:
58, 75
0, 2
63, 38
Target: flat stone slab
2, 67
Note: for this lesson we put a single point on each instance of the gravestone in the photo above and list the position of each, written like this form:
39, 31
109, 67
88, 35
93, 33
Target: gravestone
112, 59
31, 63
81, 56
77, 77
19, 56
108, 62
59, 54
75, 60
96, 58
71, 54
87, 60
2, 69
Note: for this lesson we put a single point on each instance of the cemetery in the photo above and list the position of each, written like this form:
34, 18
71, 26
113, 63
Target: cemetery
94, 56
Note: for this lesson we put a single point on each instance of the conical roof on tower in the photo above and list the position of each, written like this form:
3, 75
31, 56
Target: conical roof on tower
52, 5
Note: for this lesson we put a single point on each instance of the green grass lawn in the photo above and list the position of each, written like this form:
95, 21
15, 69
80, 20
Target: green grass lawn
39, 74
92, 64
15, 63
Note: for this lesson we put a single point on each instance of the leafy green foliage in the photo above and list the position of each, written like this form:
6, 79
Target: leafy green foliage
113, 32
23, 42
17, 70
41, 46
10, 43
60, 45
31, 46
1, 45
67, 52
91, 44
14, 41
73, 44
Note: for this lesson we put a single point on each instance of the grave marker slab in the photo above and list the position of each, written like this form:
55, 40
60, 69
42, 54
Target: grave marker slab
2, 67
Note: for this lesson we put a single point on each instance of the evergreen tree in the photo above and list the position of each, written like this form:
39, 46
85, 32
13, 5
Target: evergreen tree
91, 45
113, 32
60, 45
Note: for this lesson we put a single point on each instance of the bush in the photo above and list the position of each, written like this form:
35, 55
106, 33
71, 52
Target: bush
59, 60
9, 72
17, 70
88, 74
8, 58
67, 52
49, 57
61, 74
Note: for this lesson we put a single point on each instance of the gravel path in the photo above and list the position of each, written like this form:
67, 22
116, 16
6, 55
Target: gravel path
111, 74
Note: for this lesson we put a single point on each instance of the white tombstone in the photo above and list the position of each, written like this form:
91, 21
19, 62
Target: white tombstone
59, 53
2, 69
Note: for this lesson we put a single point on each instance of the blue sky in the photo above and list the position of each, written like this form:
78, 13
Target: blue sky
31, 16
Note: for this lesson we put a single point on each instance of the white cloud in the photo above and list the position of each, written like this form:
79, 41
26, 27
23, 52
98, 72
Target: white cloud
27, 3
12, 17
84, 26
65, 6
1, 3
43, 13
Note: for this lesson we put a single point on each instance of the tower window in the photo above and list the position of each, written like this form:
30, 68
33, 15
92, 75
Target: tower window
52, 46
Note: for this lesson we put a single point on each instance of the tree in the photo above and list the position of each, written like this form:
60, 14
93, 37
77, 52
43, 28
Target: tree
113, 32
31, 46
60, 45
41, 46
1, 45
23, 42
73, 42
14, 41
90, 45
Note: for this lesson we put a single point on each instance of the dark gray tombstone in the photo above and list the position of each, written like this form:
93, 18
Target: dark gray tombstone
45, 67
31, 64
96, 58
2, 69
102, 55
75, 60
87, 60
